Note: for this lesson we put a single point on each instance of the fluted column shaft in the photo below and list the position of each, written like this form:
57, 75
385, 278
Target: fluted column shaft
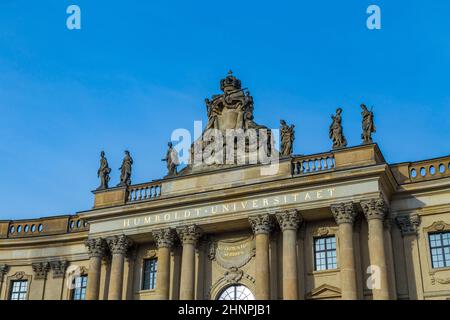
164, 240
189, 236
118, 245
289, 222
345, 214
262, 226
375, 211
96, 248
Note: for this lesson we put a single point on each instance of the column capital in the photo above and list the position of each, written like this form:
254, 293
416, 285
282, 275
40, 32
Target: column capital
375, 208
40, 269
59, 268
164, 237
119, 244
408, 224
4, 268
96, 247
344, 212
189, 234
261, 224
289, 219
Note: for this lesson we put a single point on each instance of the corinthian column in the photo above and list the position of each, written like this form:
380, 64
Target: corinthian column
289, 222
409, 226
189, 236
344, 214
375, 211
4, 268
118, 245
96, 248
262, 226
164, 240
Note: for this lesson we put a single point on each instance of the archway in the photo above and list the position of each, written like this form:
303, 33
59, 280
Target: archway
236, 292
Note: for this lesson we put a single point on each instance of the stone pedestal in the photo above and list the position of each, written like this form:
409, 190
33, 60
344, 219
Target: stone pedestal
289, 222
262, 226
164, 240
189, 236
96, 248
344, 214
375, 211
118, 245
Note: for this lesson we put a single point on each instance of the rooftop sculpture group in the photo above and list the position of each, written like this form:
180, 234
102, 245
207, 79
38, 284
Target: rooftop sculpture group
233, 110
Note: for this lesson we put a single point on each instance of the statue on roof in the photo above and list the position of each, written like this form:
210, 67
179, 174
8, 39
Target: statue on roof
368, 127
172, 160
103, 172
125, 170
336, 131
287, 139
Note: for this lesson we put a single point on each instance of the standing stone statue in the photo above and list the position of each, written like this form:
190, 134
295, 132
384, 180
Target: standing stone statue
103, 172
368, 126
336, 131
125, 170
287, 139
172, 160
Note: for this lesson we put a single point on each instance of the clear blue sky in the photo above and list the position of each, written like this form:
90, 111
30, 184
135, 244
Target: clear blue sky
139, 69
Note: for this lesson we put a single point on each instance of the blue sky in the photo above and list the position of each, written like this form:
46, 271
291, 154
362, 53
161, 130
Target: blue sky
137, 70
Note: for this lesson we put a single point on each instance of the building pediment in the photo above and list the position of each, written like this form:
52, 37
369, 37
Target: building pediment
324, 291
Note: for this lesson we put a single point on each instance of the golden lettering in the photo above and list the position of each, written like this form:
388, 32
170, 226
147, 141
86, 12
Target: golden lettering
331, 190
276, 200
126, 223
136, 221
255, 203
187, 213
167, 217
319, 194
146, 220
265, 202
307, 196
225, 208
244, 204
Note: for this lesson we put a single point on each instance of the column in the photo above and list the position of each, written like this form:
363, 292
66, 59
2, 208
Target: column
96, 248
40, 270
289, 222
118, 245
4, 268
189, 236
375, 210
344, 214
409, 225
164, 240
262, 226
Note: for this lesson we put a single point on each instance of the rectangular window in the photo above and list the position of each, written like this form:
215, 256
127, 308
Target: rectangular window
79, 288
18, 290
440, 249
325, 253
149, 274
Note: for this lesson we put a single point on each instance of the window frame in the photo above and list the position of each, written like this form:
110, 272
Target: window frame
20, 292
442, 248
152, 274
327, 251
73, 290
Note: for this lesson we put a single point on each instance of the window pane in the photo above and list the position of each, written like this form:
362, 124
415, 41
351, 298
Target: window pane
325, 253
440, 249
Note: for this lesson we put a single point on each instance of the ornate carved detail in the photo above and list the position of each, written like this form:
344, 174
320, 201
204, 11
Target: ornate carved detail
119, 244
103, 172
287, 138
435, 280
368, 126
59, 268
408, 224
289, 220
375, 208
233, 253
18, 275
261, 224
40, 269
151, 253
96, 247
336, 131
344, 212
438, 226
324, 231
189, 234
125, 170
164, 238
233, 275
4, 268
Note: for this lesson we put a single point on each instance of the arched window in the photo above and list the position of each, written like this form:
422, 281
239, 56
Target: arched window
236, 292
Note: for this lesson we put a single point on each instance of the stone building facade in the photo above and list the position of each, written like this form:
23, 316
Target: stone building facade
343, 224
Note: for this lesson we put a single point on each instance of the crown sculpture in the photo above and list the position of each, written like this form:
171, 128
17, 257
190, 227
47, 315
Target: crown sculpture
230, 111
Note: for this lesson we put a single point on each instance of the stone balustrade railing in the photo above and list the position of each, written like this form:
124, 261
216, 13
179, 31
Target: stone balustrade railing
144, 191
42, 227
425, 170
313, 163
